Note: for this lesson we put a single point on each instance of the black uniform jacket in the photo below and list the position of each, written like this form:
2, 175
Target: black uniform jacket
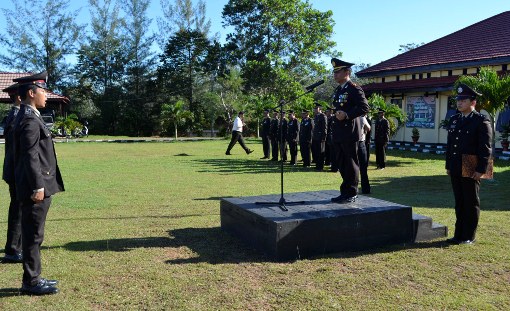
292, 130
8, 172
382, 131
273, 129
266, 126
305, 132
35, 159
282, 130
320, 127
350, 99
471, 135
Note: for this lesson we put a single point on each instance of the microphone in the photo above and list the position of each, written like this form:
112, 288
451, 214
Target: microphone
316, 84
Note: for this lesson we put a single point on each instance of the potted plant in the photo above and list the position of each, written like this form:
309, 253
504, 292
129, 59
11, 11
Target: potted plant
415, 135
505, 132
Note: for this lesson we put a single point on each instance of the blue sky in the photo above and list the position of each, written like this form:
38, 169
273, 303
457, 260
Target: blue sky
369, 31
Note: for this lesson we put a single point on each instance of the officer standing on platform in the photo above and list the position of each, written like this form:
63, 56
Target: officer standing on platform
305, 137
320, 128
349, 103
37, 178
273, 130
265, 134
13, 251
469, 136
292, 136
382, 136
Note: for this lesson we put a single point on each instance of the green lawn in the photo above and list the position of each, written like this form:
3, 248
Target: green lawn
139, 228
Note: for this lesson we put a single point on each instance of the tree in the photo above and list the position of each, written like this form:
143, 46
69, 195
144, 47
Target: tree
276, 42
409, 46
101, 62
495, 92
44, 42
174, 114
140, 65
393, 113
181, 16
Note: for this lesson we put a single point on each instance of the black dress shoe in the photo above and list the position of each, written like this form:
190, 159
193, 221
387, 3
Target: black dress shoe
337, 199
228, 153
40, 288
16, 258
249, 151
49, 282
263, 158
453, 240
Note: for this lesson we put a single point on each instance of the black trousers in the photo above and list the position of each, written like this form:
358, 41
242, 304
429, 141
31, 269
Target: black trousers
318, 154
283, 150
266, 145
32, 224
327, 153
13, 243
274, 148
305, 148
293, 151
363, 166
467, 207
237, 137
380, 154
347, 162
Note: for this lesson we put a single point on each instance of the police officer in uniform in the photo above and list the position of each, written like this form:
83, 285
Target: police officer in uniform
382, 136
469, 134
37, 178
282, 134
292, 136
305, 137
349, 103
273, 130
320, 128
13, 251
266, 127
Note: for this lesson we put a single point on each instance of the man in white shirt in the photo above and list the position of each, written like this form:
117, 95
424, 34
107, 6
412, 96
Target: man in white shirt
237, 134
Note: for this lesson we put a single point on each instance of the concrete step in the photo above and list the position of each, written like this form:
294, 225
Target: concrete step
424, 229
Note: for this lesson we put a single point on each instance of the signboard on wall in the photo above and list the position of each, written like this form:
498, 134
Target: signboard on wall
421, 111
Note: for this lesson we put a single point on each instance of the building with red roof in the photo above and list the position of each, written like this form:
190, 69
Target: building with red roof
421, 80
56, 102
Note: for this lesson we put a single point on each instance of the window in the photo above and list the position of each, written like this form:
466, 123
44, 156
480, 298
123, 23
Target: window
504, 67
396, 101
383, 79
421, 76
464, 71
449, 73
429, 75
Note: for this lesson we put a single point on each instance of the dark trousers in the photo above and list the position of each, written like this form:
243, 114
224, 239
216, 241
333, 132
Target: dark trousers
293, 151
274, 149
318, 154
266, 145
237, 137
363, 166
333, 158
467, 207
32, 224
380, 154
283, 150
327, 153
304, 148
13, 243
348, 165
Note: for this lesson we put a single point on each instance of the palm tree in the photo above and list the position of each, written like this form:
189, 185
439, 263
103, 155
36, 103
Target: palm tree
175, 114
495, 93
393, 113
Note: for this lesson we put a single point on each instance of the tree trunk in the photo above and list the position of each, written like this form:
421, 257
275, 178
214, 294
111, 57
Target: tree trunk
175, 126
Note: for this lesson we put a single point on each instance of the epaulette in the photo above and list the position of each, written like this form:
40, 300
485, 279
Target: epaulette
28, 112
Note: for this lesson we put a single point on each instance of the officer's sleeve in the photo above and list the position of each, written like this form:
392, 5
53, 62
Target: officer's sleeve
361, 107
29, 144
484, 145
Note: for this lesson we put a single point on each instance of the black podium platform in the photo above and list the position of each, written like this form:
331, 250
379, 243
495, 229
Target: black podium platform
319, 226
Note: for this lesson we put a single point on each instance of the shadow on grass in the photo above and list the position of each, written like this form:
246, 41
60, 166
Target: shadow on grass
9, 292
245, 166
211, 245
436, 191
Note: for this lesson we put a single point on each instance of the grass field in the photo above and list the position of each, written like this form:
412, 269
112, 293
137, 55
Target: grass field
138, 228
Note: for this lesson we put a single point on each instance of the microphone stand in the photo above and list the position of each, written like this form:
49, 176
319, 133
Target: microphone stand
282, 203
